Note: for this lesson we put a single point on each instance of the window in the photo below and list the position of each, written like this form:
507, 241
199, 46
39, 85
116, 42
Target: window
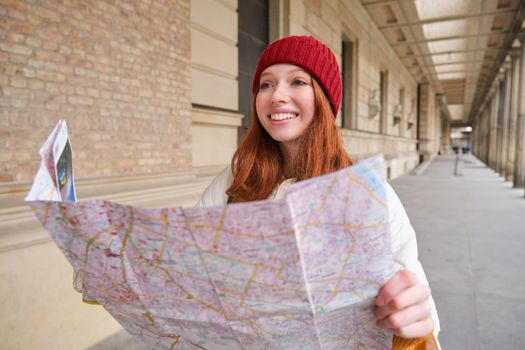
252, 39
349, 100
383, 92
399, 111
402, 99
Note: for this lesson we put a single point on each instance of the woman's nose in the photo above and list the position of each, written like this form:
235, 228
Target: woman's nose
280, 94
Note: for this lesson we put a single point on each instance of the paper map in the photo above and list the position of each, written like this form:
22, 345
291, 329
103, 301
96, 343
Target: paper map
296, 273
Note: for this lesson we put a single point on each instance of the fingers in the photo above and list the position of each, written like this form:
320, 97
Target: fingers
413, 295
406, 317
400, 281
402, 306
416, 329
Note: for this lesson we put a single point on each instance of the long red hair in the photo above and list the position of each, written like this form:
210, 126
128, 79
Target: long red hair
258, 164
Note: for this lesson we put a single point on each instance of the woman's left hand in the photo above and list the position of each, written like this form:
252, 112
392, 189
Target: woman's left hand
403, 307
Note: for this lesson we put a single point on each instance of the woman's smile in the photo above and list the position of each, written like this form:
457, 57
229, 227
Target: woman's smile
283, 116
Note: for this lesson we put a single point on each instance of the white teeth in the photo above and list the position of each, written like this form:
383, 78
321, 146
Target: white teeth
283, 116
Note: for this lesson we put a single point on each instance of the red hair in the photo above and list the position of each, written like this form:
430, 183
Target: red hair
258, 164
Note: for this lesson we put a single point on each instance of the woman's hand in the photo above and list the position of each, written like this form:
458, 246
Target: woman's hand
402, 306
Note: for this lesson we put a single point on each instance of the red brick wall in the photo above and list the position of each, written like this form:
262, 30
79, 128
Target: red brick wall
117, 71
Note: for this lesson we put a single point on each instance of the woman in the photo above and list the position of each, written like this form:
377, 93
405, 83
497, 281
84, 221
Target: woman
297, 89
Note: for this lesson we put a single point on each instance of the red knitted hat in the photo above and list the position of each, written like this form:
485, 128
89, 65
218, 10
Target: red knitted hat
311, 55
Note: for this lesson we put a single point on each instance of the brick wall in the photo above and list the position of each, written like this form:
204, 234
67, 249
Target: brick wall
117, 71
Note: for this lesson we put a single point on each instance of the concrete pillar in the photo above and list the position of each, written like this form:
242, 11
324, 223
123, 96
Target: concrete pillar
438, 117
504, 117
427, 122
445, 136
493, 131
480, 123
519, 160
499, 120
486, 131
513, 115
475, 135
479, 127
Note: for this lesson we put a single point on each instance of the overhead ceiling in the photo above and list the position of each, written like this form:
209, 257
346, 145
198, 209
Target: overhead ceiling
455, 45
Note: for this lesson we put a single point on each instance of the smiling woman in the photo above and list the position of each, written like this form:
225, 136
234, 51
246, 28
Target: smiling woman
297, 92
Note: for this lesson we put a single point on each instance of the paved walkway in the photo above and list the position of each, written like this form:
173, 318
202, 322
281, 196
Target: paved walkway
471, 237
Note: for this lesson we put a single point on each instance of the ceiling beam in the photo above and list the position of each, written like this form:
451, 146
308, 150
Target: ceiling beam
446, 18
457, 71
453, 51
453, 37
446, 83
377, 2
460, 90
457, 62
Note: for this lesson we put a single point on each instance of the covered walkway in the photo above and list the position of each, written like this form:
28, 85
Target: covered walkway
471, 237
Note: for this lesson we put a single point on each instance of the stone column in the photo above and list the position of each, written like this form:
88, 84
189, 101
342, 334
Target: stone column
486, 131
520, 126
445, 136
438, 117
499, 120
474, 135
513, 115
476, 129
426, 122
505, 114
480, 138
493, 131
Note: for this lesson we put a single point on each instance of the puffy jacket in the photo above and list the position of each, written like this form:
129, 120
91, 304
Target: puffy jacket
404, 245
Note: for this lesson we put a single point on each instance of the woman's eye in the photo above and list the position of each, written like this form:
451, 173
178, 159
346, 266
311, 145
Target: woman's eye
299, 82
264, 86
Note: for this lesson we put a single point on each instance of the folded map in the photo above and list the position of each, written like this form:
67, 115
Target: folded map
300, 272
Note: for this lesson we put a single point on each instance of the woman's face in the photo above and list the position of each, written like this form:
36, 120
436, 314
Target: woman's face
285, 102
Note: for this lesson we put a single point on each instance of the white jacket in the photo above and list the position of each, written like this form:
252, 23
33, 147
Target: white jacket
404, 243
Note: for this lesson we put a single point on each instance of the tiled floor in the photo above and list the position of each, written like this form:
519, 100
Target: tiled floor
471, 238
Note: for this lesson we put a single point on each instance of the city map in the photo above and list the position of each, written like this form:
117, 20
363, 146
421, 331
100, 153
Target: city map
300, 272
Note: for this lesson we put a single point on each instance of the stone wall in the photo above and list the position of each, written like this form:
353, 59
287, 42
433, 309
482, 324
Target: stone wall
117, 72
215, 87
